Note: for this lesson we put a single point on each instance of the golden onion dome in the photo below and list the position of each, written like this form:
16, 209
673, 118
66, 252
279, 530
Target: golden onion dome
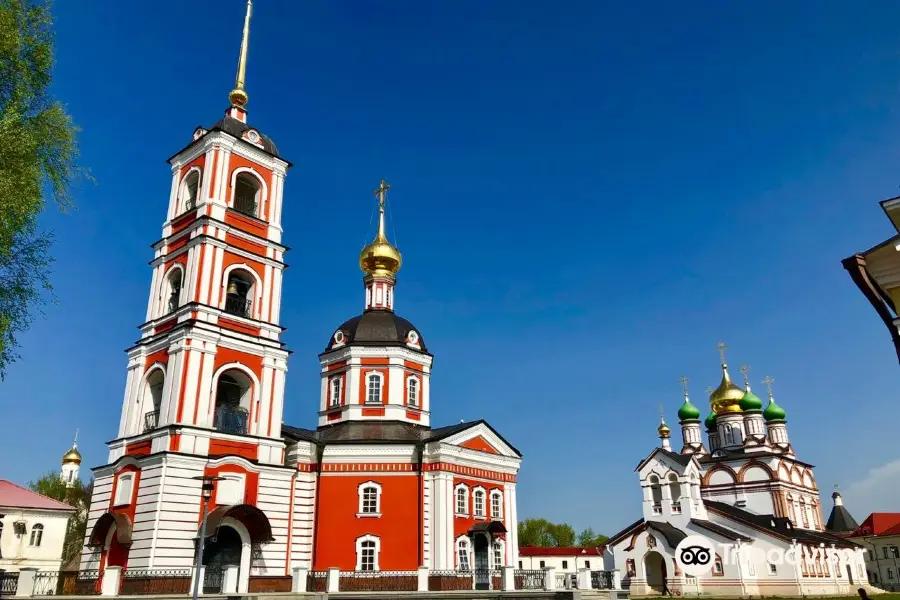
72, 456
380, 257
727, 397
663, 430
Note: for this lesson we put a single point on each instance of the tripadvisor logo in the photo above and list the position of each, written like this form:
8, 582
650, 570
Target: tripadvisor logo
695, 555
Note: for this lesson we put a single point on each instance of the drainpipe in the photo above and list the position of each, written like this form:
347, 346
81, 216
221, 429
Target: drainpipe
320, 450
420, 452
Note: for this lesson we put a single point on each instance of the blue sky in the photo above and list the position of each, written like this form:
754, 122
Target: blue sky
588, 197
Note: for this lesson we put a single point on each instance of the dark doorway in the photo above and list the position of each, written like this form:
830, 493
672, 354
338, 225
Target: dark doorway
222, 550
849, 574
482, 572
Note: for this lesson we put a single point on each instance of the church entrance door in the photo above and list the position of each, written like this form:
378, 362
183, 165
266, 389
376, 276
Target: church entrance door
221, 551
482, 572
655, 569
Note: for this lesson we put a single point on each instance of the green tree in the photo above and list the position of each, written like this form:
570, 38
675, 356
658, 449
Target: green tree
589, 539
541, 532
38, 155
77, 496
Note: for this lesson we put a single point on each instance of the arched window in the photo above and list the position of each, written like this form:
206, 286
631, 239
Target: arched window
804, 515
478, 502
239, 294
729, 436
173, 289
123, 490
656, 494
246, 194
370, 499
498, 554
335, 391
190, 189
496, 504
718, 567
153, 399
367, 549
462, 500
412, 394
462, 554
37, 533
675, 492
233, 393
373, 388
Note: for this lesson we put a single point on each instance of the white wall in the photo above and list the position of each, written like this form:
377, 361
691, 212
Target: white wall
16, 551
572, 562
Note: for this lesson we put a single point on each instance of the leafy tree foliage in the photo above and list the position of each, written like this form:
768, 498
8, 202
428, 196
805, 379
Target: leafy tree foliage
589, 539
543, 533
38, 156
79, 496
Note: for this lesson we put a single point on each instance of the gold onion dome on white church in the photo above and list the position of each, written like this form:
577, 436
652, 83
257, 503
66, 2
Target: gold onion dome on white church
380, 257
72, 456
727, 397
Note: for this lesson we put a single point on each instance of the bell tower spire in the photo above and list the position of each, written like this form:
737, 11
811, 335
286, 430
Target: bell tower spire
380, 261
238, 96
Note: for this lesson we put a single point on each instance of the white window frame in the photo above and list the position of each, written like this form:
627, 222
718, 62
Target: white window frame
120, 500
461, 486
497, 494
361, 493
359, 553
483, 513
334, 389
414, 392
380, 376
495, 546
35, 540
460, 545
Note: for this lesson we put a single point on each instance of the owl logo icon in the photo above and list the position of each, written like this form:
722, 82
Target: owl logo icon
694, 555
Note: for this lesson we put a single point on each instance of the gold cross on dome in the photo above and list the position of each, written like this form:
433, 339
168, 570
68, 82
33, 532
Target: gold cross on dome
661, 411
768, 381
381, 192
684, 382
721, 348
745, 369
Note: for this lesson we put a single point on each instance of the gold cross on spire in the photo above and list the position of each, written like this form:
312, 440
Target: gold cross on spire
684, 382
381, 192
721, 348
768, 381
745, 369
75, 443
662, 411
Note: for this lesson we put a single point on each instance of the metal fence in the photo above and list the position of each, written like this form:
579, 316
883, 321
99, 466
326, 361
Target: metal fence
213, 578
445, 581
529, 579
601, 580
67, 583
9, 583
562, 581
142, 582
315, 581
378, 581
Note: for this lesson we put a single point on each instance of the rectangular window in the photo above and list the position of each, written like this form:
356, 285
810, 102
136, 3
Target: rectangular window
894, 552
367, 560
773, 569
370, 500
884, 549
890, 573
542, 564
629, 567
463, 556
479, 503
496, 502
565, 564
462, 501
587, 564
498, 556
718, 569
336, 391
373, 395
520, 564
413, 392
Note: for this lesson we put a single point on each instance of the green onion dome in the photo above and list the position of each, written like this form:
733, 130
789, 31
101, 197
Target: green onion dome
688, 412
750, 401
711, 421
774, 412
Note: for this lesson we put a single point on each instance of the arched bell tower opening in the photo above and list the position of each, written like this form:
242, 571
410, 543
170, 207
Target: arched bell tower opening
234, 391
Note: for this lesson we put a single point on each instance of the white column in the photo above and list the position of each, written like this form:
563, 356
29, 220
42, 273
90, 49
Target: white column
423, 579
508, 581
584, 579
244, 579
109, 585
298, 580
26, 582
332, 580
550, 578
230, 579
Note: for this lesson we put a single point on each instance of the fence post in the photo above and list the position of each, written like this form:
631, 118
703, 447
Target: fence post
26, 582
298, 580
616, 577
423, 580
507, 578
333, 580
201, 574
230, 579
549, 578
109, 585
583, 579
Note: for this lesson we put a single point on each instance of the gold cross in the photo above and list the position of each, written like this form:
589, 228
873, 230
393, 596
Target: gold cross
721, 348
381, 192
768, 381
661, 411
684, 382
745, 369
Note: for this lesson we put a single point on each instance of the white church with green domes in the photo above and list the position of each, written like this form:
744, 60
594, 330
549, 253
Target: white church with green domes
743, 490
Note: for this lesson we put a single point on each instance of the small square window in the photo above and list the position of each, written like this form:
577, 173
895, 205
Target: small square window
773, 569
565, 564
542, 564
587, 564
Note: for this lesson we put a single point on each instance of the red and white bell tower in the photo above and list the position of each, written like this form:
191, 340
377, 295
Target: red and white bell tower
205, 381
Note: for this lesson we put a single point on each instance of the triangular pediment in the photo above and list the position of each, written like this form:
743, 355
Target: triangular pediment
481, 437
480, 444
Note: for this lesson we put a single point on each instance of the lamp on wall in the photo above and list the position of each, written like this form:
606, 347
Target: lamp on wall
206, 492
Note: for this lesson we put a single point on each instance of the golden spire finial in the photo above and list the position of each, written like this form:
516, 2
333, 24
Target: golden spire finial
238, 96
745, 369
381, 194
769, 381
684, 382
75, 443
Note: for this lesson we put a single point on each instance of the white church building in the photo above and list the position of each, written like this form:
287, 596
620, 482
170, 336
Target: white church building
747, 495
